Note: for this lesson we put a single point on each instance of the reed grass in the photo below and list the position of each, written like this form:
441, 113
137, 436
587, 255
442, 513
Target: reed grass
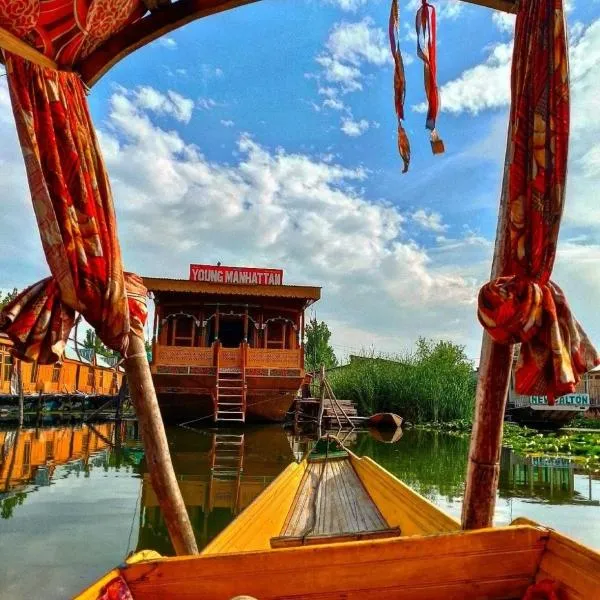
435, 382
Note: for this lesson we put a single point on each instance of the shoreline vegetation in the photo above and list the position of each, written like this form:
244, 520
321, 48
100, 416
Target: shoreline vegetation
434, 382
432, 387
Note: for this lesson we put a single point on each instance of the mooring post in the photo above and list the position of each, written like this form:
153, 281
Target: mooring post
156, 447
21, 392
321, 399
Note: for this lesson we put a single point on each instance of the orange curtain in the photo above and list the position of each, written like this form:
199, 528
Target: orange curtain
73, 205
523, 305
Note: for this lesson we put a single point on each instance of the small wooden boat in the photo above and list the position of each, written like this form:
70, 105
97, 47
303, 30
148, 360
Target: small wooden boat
385, 421
339, 526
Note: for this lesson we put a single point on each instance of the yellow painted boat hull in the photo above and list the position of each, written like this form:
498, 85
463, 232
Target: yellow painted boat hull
431, 559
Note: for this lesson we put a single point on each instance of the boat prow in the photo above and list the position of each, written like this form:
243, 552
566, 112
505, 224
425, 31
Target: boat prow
339, 526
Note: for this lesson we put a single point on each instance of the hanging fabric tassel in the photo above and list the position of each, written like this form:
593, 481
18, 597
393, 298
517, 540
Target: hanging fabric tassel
399, 84
426, 51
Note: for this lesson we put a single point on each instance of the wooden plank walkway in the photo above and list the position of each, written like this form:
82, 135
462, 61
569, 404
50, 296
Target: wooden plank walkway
332, 501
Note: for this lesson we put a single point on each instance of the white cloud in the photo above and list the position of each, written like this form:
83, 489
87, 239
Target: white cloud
482, 87
348, 5
227, 123
173, 104
167, 42
307, 214
206, 103
448, 9
429, 220
505, 22
349, 47
354, 128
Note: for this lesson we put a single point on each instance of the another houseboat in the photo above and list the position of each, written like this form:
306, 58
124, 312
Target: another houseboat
79, 372
535, 411
228, 343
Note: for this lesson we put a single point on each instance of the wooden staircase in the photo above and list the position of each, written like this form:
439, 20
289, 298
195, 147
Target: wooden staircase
226, 468
230, 396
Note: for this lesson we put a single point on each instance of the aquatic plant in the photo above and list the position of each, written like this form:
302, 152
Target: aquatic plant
581, 447
434, 382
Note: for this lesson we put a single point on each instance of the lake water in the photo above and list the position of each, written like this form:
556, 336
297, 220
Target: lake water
75, 500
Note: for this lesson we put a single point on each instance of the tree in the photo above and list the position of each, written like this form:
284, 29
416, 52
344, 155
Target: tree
317, 350
93, 342
8, 297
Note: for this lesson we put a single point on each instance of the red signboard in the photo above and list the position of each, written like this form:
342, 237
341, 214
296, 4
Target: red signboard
245, 275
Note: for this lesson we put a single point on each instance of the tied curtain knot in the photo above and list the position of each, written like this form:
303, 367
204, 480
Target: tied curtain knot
73, 204
39, 322
555, 351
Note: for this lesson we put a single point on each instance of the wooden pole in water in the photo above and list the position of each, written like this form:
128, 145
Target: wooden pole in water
490, 403
321, 399
156, 449
21, 393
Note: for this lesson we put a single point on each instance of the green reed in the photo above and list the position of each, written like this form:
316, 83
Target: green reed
433, 382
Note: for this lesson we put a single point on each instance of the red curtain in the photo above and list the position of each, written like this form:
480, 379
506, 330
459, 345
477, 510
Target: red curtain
523, 305
73, 204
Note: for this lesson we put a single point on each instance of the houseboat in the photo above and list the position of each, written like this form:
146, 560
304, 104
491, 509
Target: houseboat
79, 372
535, 411
228, 343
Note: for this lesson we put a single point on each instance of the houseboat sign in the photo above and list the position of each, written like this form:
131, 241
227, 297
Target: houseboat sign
571, 400
236, 275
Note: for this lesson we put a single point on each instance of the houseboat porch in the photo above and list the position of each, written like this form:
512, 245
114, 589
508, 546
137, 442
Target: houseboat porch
230, 351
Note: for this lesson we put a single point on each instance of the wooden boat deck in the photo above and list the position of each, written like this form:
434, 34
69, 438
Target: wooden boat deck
332, 503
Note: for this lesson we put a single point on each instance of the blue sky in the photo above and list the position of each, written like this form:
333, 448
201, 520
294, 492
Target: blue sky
266, 136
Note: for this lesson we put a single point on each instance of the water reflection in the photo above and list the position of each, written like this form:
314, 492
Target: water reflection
63, 488
219, 474
543, 479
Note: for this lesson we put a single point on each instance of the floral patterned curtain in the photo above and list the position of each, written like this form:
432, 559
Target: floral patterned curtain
73, 204
523, 305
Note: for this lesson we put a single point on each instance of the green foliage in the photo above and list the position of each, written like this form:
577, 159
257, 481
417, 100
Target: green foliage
581, 447
435, 382
317, 350
6, 298
93, 342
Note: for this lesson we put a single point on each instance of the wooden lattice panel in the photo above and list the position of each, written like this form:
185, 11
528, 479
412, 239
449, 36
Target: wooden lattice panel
182, 355
259, 357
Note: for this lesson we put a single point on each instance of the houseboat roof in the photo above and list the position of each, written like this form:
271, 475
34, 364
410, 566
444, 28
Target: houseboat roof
307, 293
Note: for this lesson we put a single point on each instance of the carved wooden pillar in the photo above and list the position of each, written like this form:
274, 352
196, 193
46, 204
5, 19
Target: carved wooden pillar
246, 324
217, 319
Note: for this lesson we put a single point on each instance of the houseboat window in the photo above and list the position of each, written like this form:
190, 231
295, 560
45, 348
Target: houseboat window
56, 372
26, 458
34, 372
114, 386
182, 331
7, 368
275, 334
90, 377
49, 450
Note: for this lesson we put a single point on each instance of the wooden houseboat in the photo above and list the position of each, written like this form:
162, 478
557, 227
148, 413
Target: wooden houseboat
534, 411
228, 343
74, 374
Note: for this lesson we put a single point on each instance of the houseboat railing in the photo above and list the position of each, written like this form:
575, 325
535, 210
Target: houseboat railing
219, 357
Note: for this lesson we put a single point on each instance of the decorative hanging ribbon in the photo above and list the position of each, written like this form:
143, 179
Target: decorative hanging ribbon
523, 305
73, 204
426, 50
399, 84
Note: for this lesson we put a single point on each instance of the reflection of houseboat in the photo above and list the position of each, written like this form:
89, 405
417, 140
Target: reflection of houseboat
228, 343
31, 455
219, 475
75, 373
551, 479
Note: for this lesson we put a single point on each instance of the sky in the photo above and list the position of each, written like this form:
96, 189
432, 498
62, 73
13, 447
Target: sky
266, 136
